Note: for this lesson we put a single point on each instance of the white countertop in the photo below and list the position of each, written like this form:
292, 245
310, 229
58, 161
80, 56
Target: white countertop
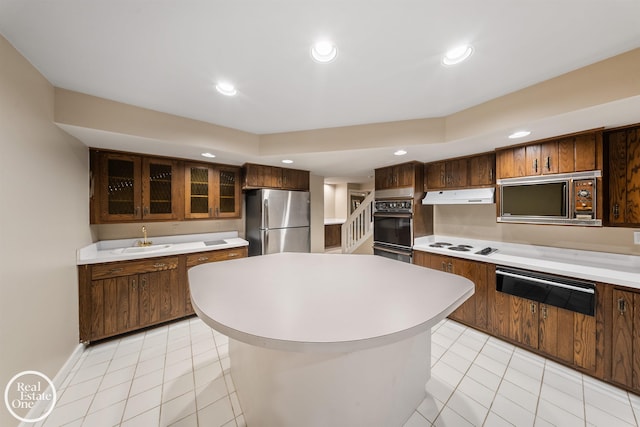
323, 302
112, 250
333, 221
588, 265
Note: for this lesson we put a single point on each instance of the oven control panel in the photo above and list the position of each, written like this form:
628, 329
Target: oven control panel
584, 196
396, 206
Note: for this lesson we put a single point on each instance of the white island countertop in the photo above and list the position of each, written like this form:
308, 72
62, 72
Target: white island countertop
126, 249
323, 302
602, 267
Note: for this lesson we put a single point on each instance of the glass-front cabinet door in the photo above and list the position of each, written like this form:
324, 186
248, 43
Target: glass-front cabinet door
199, 190
159, 190
120, 197
228, 193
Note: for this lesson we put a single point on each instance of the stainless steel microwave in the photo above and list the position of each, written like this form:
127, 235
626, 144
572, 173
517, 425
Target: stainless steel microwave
565, 199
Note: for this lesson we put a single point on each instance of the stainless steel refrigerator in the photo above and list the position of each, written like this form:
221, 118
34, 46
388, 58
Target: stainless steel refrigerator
277, 221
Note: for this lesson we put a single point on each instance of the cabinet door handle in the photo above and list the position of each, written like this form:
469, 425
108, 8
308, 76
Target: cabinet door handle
159, 265
232, 254
532, 306
535, 165
134, 285
145, 211
616, 211
622, 306
203, 258
116, 270
444, 266
548, 163
143, 284
137, 210
545, 314
217, 211
210, 211
490, 174
450, 268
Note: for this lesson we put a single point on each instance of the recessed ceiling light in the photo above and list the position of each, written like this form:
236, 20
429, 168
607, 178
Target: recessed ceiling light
519, 134
400, 153
287, 161
457, 54
226, 88
324, 51
209, 155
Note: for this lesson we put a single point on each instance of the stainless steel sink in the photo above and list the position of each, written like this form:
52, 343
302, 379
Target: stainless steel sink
141, 249
215, 242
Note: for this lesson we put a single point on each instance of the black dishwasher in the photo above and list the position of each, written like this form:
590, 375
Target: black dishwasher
570, 294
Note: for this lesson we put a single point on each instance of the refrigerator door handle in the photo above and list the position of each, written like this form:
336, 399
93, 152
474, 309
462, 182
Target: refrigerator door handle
266, 213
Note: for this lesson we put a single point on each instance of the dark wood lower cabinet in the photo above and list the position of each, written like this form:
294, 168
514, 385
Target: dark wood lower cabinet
120, 297
332, 235
574, 339
563, 335
624, 343
473, 311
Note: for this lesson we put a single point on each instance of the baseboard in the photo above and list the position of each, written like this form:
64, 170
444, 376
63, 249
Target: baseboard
58, 380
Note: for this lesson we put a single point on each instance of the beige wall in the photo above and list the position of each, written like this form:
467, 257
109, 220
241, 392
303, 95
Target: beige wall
316, 193
44, 219
329, 200
479, 222
126, 231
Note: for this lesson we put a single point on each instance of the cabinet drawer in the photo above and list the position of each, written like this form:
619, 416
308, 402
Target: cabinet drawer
127, 268
213, 256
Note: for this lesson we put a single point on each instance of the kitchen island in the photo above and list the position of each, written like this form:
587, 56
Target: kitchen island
322, 339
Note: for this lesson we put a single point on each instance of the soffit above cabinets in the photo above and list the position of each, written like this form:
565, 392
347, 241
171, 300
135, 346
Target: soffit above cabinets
168, 58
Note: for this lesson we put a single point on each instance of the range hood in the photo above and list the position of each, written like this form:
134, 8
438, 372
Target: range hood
474, 196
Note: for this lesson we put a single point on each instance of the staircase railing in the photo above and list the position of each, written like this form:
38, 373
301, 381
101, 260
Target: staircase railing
359, 226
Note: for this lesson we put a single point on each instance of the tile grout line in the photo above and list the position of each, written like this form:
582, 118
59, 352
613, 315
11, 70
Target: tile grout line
132, 379
498, 387
464, 374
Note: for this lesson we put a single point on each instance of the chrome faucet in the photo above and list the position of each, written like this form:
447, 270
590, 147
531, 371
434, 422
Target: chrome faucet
144, 242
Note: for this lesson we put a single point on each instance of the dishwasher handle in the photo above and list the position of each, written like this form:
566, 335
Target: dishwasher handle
546, 282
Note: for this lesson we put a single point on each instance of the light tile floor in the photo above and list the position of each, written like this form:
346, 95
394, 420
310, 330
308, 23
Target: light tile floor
178, 375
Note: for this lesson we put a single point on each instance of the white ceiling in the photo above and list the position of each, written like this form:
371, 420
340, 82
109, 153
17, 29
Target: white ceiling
166, 55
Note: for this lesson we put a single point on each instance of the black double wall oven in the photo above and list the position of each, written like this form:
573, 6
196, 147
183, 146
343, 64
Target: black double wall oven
393, 228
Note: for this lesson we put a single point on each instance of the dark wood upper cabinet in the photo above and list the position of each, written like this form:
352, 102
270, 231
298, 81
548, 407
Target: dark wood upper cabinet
128, 187
623, 175
461, 172
294, 179
566, 154
482, 170
116, 187
162, 191
262, 176
510, 162
408, 174
435, 175
212, 191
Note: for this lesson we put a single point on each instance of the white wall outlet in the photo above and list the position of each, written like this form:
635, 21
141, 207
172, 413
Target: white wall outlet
636, 237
